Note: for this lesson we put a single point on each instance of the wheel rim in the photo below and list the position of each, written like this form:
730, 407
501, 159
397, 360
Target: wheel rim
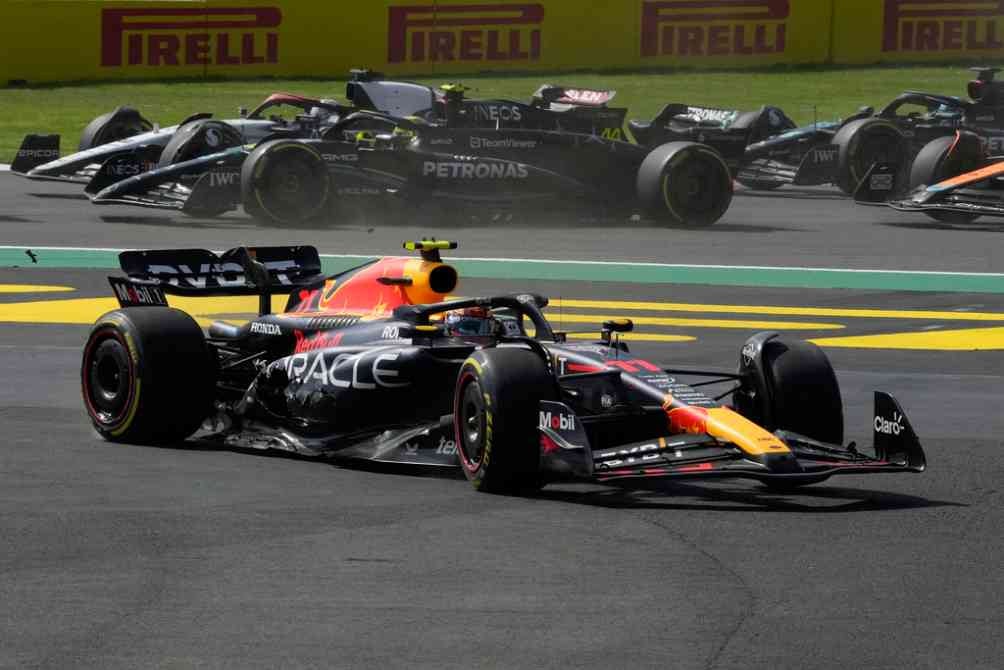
108, 379
471, 425
291, 188
880, 146
694, 189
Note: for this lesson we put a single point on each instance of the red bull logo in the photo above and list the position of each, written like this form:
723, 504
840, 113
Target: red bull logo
714, 27
943, 25
464, 33
190, 36
315, 342
692, 420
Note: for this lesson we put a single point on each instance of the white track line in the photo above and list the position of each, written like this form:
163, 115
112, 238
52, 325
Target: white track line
4, 168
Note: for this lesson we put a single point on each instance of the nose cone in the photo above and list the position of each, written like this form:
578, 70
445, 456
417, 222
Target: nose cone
754, 441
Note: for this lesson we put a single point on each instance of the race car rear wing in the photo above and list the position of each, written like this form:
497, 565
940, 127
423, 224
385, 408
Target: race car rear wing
565, 95
261, 271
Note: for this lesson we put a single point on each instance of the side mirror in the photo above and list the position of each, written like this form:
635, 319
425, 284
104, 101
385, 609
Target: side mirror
243, 112
616, 326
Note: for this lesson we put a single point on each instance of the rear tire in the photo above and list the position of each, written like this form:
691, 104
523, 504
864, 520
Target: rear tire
685, 183
199, 138
147, 376
120, 124
863, 143
944, 158
496, 413
284, 182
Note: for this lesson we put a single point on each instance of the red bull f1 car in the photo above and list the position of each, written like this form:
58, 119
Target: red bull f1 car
377, 363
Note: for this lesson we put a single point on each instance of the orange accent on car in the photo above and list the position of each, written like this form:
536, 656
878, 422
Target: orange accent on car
970, 177
687, 419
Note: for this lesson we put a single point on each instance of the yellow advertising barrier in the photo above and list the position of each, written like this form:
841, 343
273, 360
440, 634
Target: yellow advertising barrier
157, 39
898, 31
469, 35
734, 33
191, 39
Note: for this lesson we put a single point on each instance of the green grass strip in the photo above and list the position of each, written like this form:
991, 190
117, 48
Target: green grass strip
804, 93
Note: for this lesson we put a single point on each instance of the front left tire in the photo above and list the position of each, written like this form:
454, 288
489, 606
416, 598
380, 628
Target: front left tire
496, 414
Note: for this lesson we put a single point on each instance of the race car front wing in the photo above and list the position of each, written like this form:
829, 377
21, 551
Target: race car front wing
896, 449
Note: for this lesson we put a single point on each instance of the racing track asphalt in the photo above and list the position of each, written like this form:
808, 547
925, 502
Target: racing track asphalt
124, 557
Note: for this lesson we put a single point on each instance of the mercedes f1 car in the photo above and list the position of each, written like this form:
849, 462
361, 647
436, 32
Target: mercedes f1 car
376, 363
766, 150
921, 128
125, 134
422, 166
131, 145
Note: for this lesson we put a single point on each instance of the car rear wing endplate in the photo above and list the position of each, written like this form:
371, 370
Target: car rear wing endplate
567, 95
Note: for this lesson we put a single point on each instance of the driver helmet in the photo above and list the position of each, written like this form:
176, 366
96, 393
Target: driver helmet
472, 322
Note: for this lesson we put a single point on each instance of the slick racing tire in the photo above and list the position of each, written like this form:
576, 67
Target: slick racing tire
863, 143
496, 412
147, 376
284, 182
944, 158
685, 183
120, 124
802, 393
199, 138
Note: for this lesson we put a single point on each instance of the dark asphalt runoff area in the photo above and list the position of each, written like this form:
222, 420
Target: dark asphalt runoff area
118, 556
